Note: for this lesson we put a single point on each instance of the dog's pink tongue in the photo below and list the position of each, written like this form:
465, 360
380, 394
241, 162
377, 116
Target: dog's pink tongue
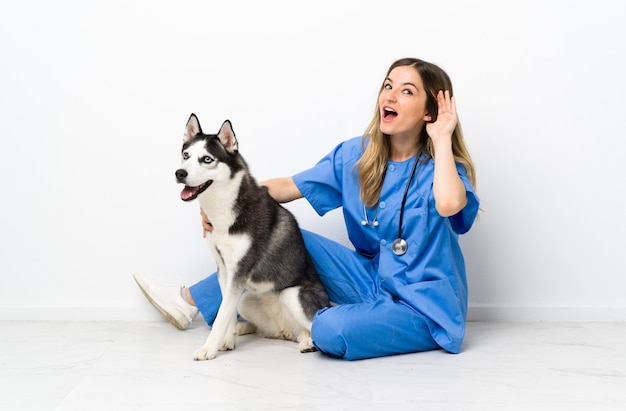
188, 192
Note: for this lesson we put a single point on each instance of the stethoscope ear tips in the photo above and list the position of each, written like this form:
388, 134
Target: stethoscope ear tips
375, 223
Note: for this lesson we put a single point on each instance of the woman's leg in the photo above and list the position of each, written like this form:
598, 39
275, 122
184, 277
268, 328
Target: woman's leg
207, 296
368, 322
345, 274
348, 276
371, 329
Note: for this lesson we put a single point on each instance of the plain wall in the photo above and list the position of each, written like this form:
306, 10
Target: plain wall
94, 96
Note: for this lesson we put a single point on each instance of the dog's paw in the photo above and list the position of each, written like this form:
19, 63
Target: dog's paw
229, 343
306, 345
202, 354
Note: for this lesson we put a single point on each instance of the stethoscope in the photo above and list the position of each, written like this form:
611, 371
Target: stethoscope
399, 245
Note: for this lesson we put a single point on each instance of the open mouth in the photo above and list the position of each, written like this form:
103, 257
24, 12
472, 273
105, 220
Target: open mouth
190, 193
389, 113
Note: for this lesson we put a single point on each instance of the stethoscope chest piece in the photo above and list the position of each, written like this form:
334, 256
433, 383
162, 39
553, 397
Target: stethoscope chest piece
399, 246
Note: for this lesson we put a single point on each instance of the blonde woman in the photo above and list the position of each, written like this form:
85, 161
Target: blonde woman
407, 191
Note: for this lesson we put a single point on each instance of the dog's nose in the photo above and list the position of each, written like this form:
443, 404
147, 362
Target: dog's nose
181, 175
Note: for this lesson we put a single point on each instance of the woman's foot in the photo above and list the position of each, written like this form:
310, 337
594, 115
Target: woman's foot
169, 300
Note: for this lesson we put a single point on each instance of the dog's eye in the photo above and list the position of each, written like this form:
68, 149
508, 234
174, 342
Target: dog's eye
185, 156
207, 160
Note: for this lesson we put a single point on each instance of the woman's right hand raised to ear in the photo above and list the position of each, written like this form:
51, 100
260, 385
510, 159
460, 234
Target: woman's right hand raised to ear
206, 224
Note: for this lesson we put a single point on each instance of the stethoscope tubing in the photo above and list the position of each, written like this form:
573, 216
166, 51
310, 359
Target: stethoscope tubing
399, 246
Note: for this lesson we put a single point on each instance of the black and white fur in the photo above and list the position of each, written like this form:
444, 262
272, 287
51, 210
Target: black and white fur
264, 270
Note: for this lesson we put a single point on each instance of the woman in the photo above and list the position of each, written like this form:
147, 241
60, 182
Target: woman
407, 192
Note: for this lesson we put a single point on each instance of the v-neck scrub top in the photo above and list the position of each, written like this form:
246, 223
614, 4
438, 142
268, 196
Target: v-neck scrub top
424, 289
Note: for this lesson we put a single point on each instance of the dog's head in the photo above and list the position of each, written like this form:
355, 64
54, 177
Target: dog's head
205, 158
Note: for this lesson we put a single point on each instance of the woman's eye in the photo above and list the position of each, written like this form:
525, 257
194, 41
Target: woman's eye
387, 86
185, 156
407, 92
207, 160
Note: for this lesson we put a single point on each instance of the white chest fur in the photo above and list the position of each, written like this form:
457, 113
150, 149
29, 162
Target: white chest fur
218, 204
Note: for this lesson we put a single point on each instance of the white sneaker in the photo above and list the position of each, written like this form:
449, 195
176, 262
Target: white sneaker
169, 301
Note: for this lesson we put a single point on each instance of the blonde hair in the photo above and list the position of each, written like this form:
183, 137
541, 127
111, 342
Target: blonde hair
372, 165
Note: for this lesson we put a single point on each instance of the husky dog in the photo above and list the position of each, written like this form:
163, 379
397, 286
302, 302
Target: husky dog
264, 270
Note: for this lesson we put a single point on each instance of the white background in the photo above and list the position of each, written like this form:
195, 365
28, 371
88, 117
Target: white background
94, 96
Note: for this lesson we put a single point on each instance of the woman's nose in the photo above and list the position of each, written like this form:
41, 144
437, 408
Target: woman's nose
391, 95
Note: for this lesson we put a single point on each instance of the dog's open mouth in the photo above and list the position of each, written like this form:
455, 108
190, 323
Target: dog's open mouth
190, 193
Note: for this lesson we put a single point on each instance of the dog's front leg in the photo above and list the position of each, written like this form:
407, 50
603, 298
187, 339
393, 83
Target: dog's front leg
224, 330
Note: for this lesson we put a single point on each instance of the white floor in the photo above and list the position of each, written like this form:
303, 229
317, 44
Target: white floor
127, 365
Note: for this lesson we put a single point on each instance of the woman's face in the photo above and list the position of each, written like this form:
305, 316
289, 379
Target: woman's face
402, 103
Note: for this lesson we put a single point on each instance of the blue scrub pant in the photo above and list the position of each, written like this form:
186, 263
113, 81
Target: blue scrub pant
368, 322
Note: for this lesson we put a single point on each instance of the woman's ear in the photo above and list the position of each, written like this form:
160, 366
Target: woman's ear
427, 118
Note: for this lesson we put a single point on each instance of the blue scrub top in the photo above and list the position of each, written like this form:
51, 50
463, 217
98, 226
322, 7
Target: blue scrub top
430, 277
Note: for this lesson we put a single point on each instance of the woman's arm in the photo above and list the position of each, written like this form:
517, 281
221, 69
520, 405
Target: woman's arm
448, 189
282, 189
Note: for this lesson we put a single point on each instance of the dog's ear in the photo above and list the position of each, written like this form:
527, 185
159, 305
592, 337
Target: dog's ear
192, 128
227, 137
